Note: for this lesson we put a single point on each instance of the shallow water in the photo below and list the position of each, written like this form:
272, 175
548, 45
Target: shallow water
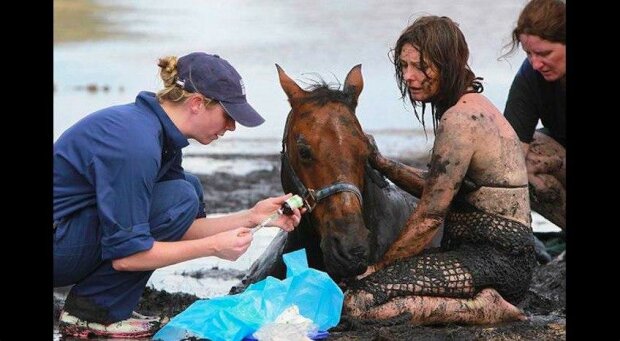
320, 37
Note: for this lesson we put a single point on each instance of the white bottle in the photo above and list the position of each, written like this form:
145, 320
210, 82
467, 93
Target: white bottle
287, 208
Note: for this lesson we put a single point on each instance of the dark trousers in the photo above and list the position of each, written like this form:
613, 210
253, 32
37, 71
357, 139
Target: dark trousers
100, 293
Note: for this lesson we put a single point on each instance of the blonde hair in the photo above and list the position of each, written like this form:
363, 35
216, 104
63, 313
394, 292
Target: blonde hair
172, 91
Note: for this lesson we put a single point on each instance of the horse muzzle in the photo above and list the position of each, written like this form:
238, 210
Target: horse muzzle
346, 254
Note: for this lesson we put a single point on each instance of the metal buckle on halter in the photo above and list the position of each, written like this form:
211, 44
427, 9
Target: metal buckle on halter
310, 204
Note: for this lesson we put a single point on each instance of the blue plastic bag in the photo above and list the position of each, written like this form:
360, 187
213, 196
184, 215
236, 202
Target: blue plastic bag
233, 317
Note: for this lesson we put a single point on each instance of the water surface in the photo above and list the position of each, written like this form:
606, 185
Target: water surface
307, 39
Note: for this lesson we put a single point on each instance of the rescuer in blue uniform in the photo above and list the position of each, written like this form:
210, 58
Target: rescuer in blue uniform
124, 206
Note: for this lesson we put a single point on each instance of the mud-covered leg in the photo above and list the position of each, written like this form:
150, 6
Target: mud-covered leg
437, 274
546, 166
548, 198
437, 287
488, 307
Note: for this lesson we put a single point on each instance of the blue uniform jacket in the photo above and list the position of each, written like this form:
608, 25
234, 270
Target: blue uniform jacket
111, 159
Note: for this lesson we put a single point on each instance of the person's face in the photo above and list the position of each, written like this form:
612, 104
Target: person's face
546, 57
211, 122
422, 87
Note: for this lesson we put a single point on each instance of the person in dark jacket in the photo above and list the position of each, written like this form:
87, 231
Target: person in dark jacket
538, 93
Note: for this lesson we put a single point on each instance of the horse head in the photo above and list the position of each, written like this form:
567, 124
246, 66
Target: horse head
323, 158
354, 214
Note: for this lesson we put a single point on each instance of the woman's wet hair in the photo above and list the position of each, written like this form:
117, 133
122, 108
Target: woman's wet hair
172, 91
441, 45
543, 18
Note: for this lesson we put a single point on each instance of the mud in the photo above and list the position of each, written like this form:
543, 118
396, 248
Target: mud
249, 189
225, 192
544, 304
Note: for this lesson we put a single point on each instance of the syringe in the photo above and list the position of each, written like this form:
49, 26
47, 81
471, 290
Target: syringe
286, 208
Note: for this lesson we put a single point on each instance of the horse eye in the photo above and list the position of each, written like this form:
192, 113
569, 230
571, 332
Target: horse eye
305, 153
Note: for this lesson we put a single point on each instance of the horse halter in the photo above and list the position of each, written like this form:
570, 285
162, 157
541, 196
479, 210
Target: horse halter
312, 197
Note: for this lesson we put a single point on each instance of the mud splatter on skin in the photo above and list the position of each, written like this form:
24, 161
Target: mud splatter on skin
549, 202
513, 209
438, 166
547, 178
439, 310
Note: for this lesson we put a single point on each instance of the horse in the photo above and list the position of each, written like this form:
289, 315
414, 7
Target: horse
353, 213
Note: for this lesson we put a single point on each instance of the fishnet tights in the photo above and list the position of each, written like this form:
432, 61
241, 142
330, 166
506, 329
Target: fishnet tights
432, 274
478, 250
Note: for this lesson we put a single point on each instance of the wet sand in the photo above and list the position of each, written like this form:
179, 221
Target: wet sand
545, 303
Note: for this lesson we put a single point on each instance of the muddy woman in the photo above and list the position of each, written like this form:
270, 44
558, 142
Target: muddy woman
476, 186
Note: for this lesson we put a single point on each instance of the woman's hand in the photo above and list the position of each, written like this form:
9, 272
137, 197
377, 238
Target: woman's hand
267, 207
230, 245
374, 155
369, 270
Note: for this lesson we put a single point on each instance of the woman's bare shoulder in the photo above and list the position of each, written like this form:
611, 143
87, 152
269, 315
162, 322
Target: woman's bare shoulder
471, 108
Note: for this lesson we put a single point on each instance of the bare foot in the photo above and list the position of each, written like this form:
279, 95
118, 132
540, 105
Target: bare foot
488, 307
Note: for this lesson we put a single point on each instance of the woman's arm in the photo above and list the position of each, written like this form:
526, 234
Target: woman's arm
409, 179
452, 153
226, 237
227, 245
205, 227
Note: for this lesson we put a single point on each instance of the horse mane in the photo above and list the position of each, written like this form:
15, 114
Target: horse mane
320, 93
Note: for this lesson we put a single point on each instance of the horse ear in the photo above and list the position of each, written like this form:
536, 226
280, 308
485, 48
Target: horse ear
288, 85
354, 80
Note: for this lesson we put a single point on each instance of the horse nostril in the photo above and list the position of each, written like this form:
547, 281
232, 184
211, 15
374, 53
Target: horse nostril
344, 253
359, 253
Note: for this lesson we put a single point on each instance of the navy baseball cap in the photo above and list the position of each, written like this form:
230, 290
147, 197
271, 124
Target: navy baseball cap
215, 78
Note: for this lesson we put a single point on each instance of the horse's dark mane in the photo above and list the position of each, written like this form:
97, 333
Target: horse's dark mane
321, 93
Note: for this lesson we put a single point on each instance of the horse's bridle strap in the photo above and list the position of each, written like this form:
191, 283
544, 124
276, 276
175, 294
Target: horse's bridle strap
336, 188
310, 196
